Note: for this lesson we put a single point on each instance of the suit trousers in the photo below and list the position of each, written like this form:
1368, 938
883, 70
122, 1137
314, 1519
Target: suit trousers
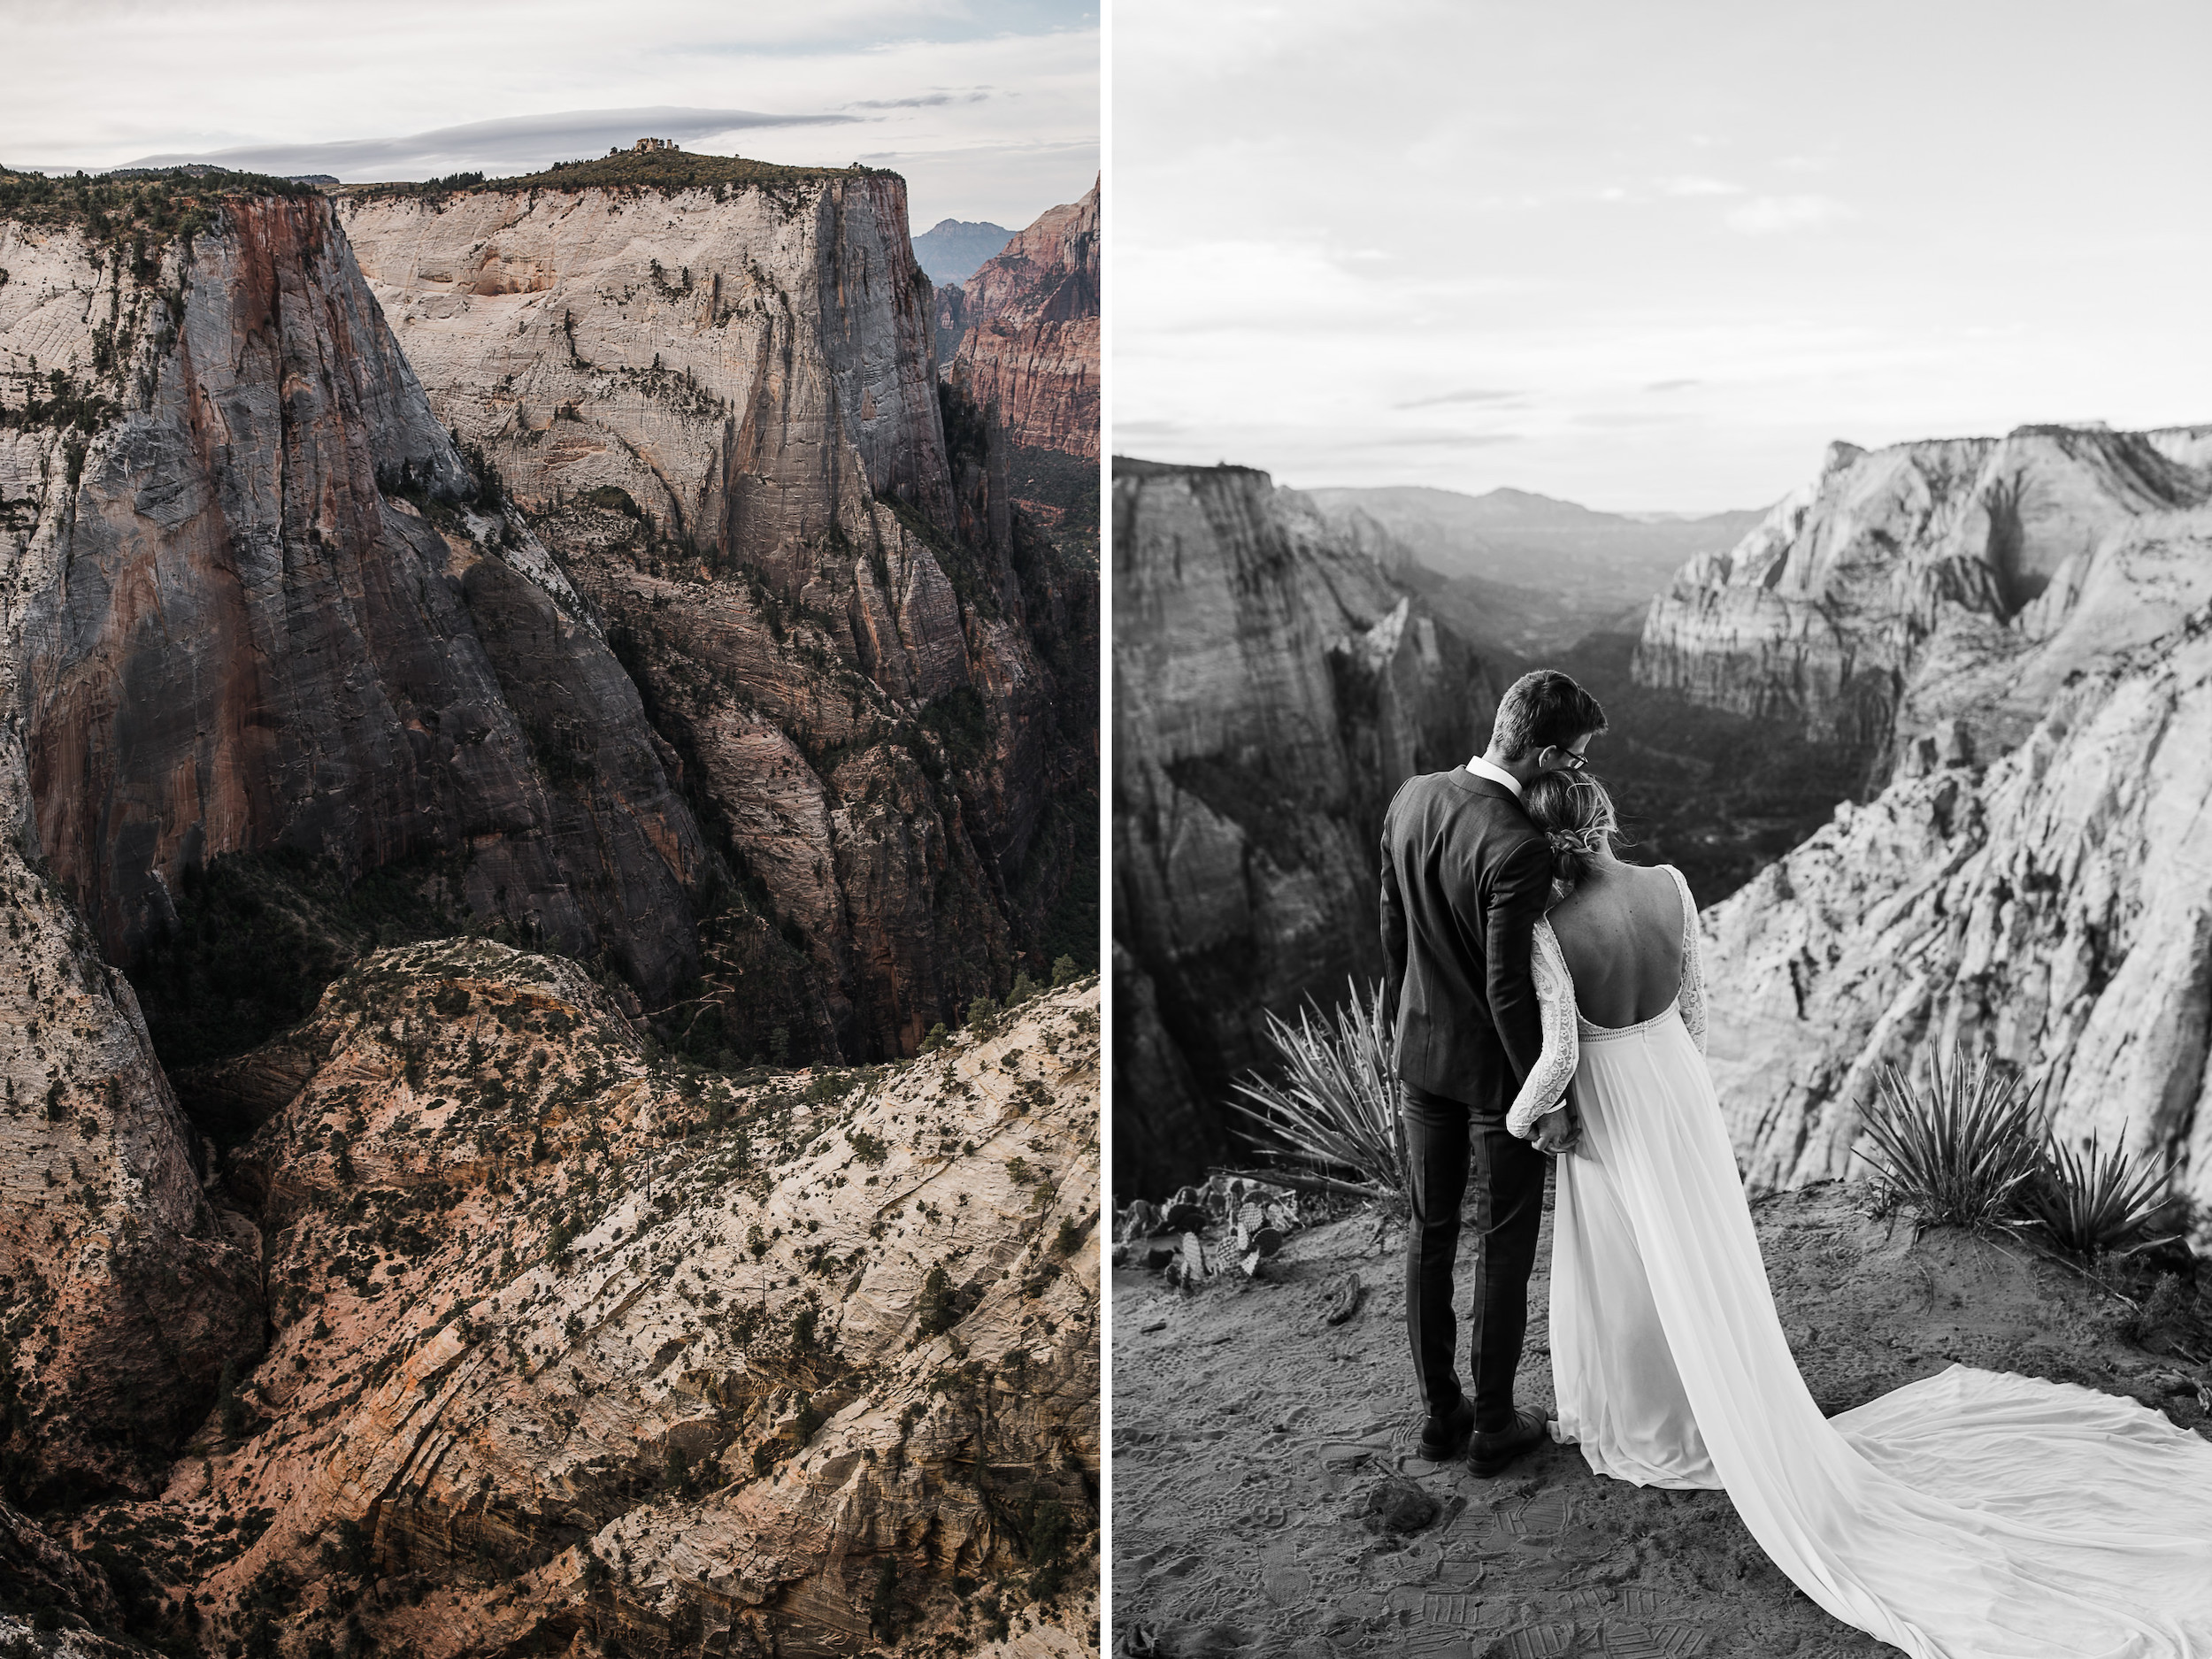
1444, 1137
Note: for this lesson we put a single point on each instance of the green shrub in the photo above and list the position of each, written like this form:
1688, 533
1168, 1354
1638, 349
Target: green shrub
232, 1409
934, 1312
883, 1602
1334, 1110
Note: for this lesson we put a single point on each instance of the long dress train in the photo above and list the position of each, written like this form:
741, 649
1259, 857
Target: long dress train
1973, 1515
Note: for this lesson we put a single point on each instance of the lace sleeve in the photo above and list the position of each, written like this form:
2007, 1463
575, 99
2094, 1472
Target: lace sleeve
1555, 1064
1692, 997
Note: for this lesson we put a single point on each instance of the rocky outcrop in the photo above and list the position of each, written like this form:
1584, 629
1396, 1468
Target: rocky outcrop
2053, 908
720, 407
1908, 588
569, 1344
1030, 340
249, 608
1272, 689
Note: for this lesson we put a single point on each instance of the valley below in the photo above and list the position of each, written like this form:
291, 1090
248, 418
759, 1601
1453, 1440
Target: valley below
1923, 739
549, 1044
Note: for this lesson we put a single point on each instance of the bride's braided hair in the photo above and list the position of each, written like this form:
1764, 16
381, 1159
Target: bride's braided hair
1576, 817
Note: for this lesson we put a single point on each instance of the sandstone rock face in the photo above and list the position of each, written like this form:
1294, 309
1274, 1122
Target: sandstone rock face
124, 1287
1902, 589
2054, 907
722, 408
1272, 690
754, 370
1030, 340
567, 1345
224, 634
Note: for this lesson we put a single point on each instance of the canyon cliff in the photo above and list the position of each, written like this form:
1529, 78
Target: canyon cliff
2053, 909
719, 403
2013, 633
287, 672
221, 637
1272, 687
1904, 588
1029, 322
230, 625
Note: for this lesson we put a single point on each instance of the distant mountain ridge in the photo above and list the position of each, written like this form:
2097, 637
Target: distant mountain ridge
952, 248
1523, 573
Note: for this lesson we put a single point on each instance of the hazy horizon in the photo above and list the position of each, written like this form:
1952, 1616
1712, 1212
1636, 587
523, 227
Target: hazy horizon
1649, 259
989, 108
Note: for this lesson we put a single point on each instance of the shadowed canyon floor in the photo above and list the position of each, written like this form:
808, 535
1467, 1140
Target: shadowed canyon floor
1253, 1443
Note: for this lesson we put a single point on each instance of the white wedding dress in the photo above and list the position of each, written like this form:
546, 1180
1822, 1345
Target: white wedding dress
1973, 1515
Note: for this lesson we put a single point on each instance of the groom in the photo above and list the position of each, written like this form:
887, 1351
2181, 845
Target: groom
1464, 877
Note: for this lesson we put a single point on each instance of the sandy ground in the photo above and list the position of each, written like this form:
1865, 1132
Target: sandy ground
1250, 1440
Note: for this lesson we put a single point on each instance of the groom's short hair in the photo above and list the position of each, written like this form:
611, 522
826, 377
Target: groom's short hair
1541, 710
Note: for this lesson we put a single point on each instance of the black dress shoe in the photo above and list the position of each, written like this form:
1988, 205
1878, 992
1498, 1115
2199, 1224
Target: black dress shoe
1444, 1438
1488, 1453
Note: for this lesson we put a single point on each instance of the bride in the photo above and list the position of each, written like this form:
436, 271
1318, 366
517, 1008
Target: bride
1972, 1515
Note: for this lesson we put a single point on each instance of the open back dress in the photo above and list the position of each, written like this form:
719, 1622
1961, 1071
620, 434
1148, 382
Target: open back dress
1972, 1515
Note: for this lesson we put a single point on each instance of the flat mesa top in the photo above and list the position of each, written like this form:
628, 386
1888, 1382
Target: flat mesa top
663, 168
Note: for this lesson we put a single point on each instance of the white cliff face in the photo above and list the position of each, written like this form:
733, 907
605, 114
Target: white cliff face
2054, 909
1902, 589
752, 365
1029, 348
822, 593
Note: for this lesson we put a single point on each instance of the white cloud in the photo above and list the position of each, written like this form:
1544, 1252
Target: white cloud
1767, 215
100, 83
1697, 184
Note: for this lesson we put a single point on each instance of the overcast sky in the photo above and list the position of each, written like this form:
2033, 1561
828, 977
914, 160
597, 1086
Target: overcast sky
988, 107
1651, 256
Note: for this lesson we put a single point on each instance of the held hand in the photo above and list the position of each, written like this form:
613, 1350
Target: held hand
1557, 1132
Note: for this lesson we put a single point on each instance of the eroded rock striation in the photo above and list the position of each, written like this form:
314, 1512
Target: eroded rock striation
1029, 340
1272, 689
2013, 634
2053, 908
1909, 586
721, 407
272, 631
230, 625
568, 1343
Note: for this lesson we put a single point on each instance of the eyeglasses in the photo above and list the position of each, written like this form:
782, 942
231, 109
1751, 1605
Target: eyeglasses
1574, 762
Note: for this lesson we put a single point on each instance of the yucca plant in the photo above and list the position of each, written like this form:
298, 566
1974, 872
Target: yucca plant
2092, 1201
1959, 1147
1334, 1109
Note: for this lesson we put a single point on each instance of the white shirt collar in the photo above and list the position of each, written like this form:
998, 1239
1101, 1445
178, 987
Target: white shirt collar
1482, 768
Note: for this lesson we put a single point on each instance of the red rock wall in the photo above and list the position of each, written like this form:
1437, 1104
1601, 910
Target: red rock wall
1032, 316
249, 645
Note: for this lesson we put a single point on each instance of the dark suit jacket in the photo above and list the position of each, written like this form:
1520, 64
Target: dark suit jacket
1464, 877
